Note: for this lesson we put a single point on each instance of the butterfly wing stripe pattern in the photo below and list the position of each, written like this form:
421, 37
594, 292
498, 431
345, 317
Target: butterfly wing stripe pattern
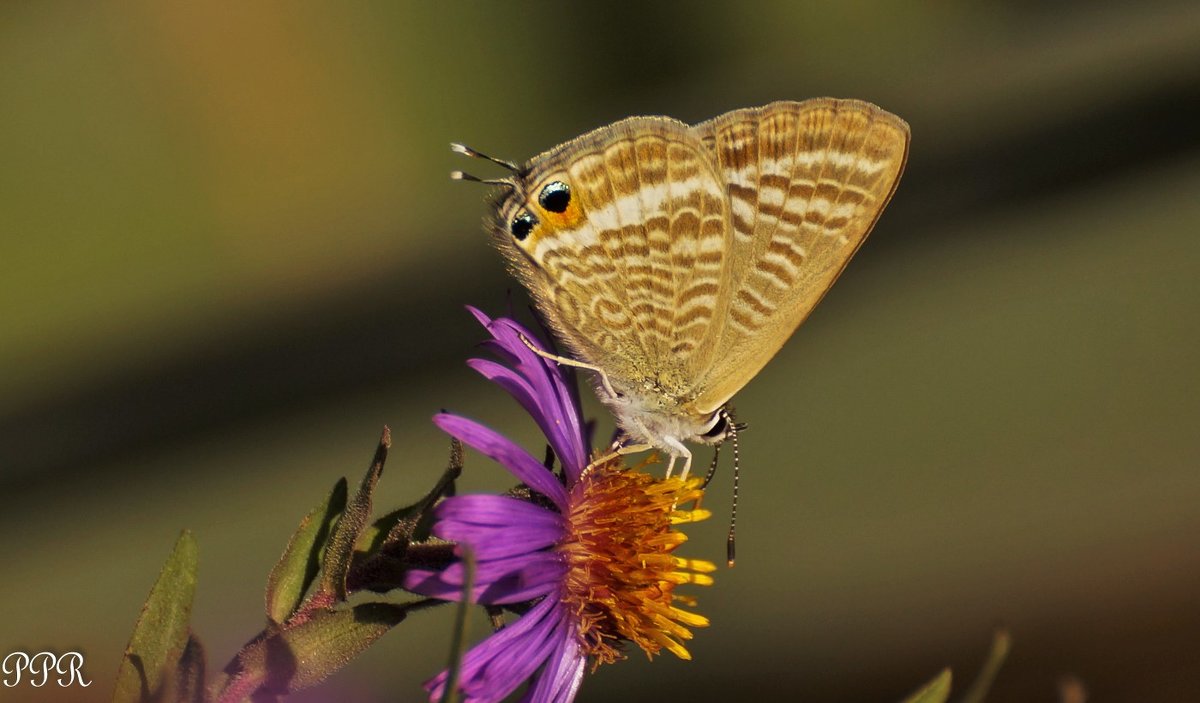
635, 281
806, 183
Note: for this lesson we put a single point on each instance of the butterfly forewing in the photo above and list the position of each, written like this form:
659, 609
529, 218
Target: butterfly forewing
634, 278
806, 183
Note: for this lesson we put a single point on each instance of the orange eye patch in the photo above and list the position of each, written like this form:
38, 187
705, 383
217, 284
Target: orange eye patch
558, 206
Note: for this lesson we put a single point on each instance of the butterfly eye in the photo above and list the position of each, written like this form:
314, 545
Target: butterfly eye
522, 225
555, 197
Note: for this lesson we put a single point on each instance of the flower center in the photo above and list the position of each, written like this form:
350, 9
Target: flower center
622, 577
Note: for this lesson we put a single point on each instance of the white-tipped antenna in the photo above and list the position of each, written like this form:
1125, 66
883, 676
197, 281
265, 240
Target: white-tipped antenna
463, 176
468, 151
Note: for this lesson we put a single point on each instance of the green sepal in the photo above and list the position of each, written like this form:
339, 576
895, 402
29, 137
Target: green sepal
412, 523
301, 654
936, 691
160, 636
301, 560
189, 676
339, 550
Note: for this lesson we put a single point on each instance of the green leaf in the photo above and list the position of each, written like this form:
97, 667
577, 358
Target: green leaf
936, 691
300, 654
458, 643
983, 682
161, 633
301, 560
339, 551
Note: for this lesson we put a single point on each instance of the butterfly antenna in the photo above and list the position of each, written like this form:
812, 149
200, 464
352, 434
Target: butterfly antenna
468, 151
734, 428
464, 176
712, 468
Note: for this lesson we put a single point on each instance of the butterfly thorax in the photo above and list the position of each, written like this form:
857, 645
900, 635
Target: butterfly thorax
660, 420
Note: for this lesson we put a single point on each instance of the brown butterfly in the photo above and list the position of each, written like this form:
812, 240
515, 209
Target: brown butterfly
674, 261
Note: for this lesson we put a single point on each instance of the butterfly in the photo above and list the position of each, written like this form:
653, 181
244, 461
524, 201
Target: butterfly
674, 261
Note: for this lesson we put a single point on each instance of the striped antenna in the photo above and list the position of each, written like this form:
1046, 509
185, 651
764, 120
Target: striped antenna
734, 428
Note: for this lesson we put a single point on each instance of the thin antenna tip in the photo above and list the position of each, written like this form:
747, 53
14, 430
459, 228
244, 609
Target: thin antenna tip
464, 176
465, 150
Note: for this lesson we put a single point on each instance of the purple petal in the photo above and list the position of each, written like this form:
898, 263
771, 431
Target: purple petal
497, 582
428, 582
546, 391
479, 315
546, 413
546, 583
490, 543
502, 450
524, 568
547, 376
495, 667
497, 511
521, 389
509, 667
559, 681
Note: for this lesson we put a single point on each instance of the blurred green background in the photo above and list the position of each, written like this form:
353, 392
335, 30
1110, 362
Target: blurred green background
230, 253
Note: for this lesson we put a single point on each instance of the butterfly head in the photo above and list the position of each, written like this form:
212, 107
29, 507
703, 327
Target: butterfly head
536, 203
534, 210
719, 430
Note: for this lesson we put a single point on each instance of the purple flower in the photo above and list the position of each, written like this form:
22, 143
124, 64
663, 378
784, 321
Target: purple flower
591, 553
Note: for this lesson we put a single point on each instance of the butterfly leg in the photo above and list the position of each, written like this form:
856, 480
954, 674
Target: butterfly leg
678, 449
619, 450
577, 364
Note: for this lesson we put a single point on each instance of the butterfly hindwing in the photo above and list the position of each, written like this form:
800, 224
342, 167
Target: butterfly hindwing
806, 183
